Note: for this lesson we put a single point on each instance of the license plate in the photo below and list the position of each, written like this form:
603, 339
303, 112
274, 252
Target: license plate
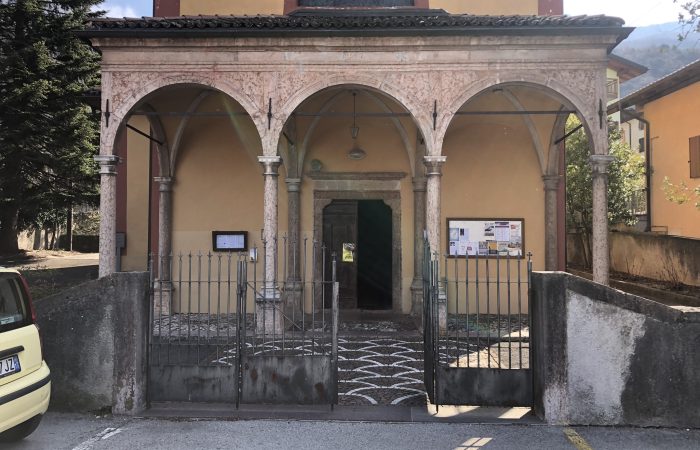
10, 365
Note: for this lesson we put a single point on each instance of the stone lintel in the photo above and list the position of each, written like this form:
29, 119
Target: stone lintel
342, 176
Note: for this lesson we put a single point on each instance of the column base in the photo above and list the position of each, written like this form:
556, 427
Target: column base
442, 310
269, 313
417, 298
293, 303
162, 298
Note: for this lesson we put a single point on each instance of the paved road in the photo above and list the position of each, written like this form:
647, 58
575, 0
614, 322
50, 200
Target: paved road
66, 431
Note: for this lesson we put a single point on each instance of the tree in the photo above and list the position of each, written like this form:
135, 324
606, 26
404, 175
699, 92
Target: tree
689, 17
625, 179
680, 193
48, 134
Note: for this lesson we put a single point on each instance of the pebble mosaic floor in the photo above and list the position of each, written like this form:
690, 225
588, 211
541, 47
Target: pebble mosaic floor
378, 363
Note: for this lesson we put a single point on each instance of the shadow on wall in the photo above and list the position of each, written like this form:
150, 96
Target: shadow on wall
604, 357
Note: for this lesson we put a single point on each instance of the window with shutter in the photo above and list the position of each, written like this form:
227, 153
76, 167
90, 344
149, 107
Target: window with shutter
694, 157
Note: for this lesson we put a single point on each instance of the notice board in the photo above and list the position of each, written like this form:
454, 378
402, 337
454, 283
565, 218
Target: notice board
485, 237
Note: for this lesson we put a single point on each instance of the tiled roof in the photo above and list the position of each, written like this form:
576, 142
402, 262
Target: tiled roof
674, 81
428, 20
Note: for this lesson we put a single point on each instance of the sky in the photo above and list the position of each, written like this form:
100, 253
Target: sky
635, 12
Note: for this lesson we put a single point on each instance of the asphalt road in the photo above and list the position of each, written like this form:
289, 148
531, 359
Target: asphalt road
80, 432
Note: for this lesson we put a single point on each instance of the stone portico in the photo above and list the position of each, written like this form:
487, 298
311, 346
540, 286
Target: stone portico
426, 72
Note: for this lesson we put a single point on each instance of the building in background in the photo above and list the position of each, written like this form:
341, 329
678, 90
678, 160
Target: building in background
668, 109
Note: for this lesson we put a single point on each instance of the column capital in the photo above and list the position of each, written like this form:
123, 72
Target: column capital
270, 164
108, 164
600, 163
419, 184
551, 182
434, 165
293, 184
165, 183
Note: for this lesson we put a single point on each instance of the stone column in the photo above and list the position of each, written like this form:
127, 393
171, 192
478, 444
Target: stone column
601, 254
433, 173
108, 214
551, 235
269, 316
165, 226
163, 289
293, 286
419, 187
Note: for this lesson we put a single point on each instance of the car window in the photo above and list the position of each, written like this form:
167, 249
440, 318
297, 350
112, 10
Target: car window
13, 305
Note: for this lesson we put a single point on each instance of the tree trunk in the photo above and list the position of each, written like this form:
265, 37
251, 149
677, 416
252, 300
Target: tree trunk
8, 230
69, 229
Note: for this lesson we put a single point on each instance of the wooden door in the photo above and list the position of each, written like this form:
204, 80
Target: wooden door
339, 228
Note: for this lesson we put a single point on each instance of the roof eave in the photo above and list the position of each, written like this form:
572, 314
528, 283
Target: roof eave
621, 32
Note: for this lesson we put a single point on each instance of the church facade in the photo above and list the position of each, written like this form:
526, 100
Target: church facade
273, 123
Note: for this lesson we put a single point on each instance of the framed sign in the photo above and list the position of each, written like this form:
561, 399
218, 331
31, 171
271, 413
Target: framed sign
485, 237
229, 241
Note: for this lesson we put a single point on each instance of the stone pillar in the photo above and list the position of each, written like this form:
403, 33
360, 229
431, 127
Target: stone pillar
601, 254
433, 173
165, 226
163, 290
293, 304
267, 304
419, 187
108, 213
551, 235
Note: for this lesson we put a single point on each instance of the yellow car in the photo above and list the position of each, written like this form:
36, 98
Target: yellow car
25, 379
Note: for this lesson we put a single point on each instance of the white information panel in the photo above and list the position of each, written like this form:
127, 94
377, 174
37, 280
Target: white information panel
485, 237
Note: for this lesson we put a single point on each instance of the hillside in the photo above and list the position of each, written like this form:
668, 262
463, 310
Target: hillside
657, 47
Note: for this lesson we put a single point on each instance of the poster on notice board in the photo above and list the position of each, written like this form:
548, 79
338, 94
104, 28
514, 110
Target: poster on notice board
485, 237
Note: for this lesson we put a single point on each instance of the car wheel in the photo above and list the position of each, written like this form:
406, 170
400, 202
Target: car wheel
21, 431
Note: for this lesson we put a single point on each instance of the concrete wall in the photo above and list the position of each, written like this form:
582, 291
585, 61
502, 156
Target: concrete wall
604, 357
94, 340
673, 121
655, 256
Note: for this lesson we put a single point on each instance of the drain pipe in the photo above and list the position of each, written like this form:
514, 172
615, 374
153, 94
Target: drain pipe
647, 156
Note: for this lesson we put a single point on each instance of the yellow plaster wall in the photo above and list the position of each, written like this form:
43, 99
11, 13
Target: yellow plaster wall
238, 7
489, 7
251, 7
674, 119
492, 172
136, 255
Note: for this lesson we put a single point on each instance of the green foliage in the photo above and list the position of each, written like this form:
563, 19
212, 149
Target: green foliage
625, 178
680, 193
48, 134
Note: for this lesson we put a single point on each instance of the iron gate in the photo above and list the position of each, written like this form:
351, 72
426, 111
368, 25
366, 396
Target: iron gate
219, 333
476, 330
